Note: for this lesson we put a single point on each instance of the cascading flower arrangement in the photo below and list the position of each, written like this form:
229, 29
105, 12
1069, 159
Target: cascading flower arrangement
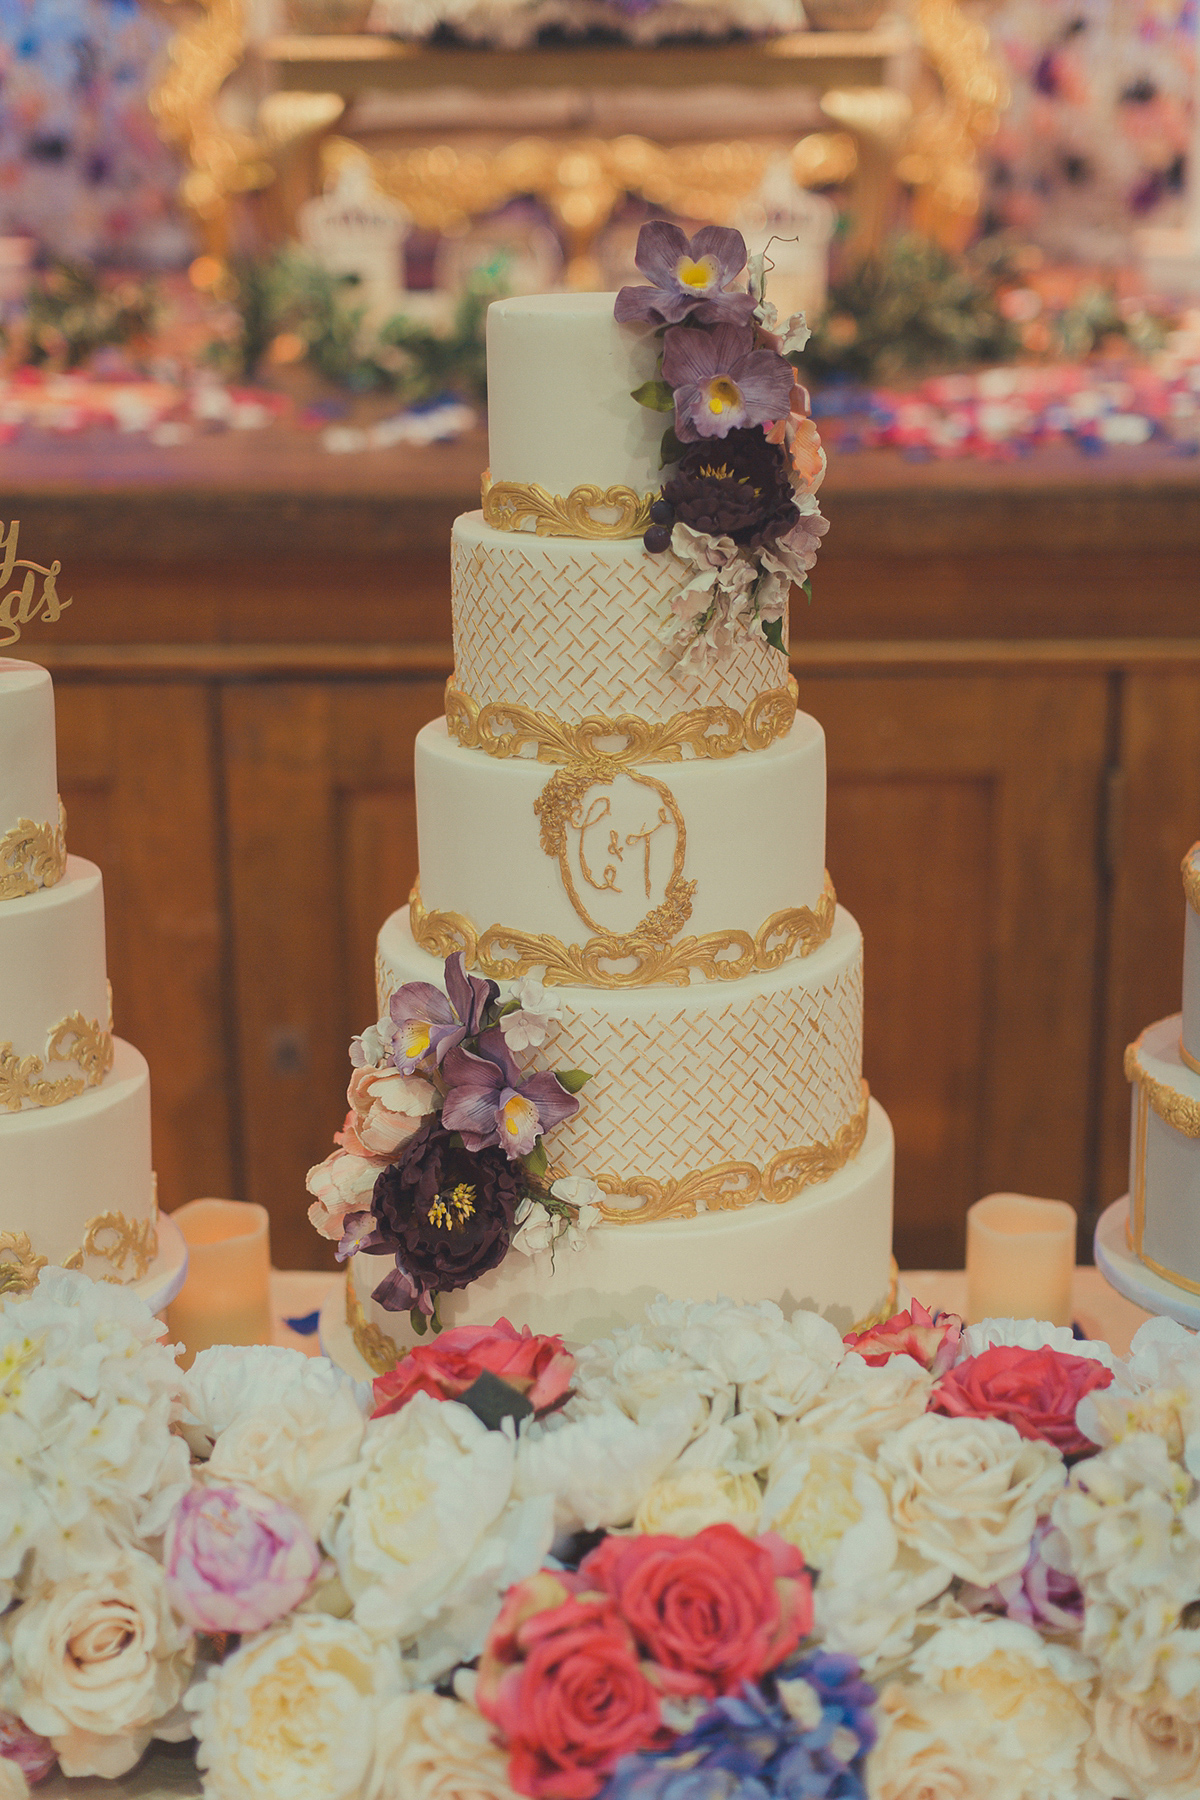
441, 1163
743, 458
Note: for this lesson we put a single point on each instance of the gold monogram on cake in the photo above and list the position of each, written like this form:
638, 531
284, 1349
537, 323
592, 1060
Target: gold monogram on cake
507, 505
21, 604
618, 833
32, 856
24, 1079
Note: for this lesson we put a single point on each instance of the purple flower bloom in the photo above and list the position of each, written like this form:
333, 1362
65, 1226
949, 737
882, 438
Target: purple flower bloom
430, 1022
236, 1560
34, 1755
690, 277
721, 381
1042, 1595
489, 1101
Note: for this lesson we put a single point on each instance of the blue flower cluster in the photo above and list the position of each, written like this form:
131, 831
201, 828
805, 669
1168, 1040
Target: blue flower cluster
804, 1736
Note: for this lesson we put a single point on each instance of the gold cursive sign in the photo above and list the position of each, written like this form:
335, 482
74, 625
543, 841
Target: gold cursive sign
21, 604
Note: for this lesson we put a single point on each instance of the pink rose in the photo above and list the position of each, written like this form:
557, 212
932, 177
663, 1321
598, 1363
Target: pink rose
1035, 1390
34, 1756
930, 1340
386, 1109
236, 1560
560, 1678
712, 1611
539, 1367
343, 1183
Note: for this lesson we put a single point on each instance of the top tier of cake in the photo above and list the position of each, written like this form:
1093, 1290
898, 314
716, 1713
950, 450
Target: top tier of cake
29, 814
1190, 1045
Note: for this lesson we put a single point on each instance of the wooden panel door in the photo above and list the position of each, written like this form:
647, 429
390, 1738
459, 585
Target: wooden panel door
1156, 817
322, 841
962, 834
136, 770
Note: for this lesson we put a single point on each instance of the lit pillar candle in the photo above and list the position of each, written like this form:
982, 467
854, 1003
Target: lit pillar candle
1020, 1258
226, 1298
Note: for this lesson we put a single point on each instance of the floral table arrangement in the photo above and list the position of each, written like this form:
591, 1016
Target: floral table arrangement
721, 1555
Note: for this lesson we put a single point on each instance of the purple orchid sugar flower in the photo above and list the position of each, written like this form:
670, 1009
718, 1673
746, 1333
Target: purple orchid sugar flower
690, 278
430, 1023
722, 382
489, 1101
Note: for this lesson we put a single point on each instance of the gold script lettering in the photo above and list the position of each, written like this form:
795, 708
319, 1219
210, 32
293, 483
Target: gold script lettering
600, 808
21, 604
643, 838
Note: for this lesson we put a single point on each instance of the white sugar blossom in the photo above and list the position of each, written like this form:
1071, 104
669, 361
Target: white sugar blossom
374, 1047
13, 1785
796, 333
541, 1228
598, 1468
538, 1008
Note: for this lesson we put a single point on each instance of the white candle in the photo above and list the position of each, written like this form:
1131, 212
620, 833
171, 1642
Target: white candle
1020, 1258
226, 1298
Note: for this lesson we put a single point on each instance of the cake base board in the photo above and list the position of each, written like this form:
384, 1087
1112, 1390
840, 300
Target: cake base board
1124, 1270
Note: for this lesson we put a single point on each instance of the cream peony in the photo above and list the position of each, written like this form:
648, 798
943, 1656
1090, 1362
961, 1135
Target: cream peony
293, 1713
684, 1501
926, 1751
388, 1108
869, 1597
967, 1493
98, 1662
814, 1494
1143, 1752
862, 1406
430, 1748
429, 1536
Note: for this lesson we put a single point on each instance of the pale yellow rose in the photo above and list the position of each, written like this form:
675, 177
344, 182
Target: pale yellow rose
685, 1501
811, 1496
430, 1748
1143, 1752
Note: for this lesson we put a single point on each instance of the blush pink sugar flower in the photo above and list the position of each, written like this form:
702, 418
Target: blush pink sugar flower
237, 1560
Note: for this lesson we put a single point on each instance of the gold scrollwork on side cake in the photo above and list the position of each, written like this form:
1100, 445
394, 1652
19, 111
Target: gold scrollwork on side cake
730, 1186
117, 1240
20, 1264
32, 856
508, 504
717, 956
505, 728
73, 1040
377, 1349
1191, 877
1178, 1110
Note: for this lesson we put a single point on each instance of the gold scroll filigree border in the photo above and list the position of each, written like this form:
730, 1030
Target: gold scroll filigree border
116, 1239
1190, 867
507, 505
1177, 1110
557, 806
32, 856
73, 1040
717, 956
20, 1264
730, 1186
505, 728
380, 1352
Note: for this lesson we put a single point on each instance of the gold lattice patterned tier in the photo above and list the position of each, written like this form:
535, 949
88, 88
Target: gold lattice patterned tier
573, 635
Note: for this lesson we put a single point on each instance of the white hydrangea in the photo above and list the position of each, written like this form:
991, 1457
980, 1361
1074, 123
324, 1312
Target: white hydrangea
599, 1467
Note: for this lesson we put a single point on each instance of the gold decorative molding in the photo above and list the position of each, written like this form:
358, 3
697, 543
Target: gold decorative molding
508, 504
941, 156
883, 1313
1177, 1110
73, 1040
718, 956
505, 728
32, 856
1192, 1062
560, 807
730, 1186
380, 1352
1190, 867
116, 1239
20, 1265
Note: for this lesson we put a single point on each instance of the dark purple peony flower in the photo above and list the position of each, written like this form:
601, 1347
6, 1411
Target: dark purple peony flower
722, 382
489, 1101
690, 277
430, 1022
738, 488
445, 1212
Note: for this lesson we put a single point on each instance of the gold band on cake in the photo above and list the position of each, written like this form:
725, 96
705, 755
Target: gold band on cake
718, 955
505, 728
730, 1186
73, 1040
508, 504
1191, 877
1177, 1110
32, 856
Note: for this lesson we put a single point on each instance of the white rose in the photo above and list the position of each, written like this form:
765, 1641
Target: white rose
1143, 1752
967, 1493
429, 1538
98, 1662
430, 1748
598, 1468
293, 1713
815, 1493
685, 1501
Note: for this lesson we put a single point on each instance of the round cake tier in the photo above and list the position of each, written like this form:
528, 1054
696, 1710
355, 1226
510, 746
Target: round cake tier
76, 1179
722, 864
763, 1073
1164, 1163
1190, 1028
54, 1008
828, 1250
567, 629
30, 852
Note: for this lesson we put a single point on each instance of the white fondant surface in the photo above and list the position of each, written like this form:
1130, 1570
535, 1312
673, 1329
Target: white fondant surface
1130, 1276
754, 838
829, 1251
52, 960
1171, 1229
28, 766
62, 1165
560, 410
1191, 976
685, 1078
568, 626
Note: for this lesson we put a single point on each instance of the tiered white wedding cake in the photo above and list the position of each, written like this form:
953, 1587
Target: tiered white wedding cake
76, 1185
649, 844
